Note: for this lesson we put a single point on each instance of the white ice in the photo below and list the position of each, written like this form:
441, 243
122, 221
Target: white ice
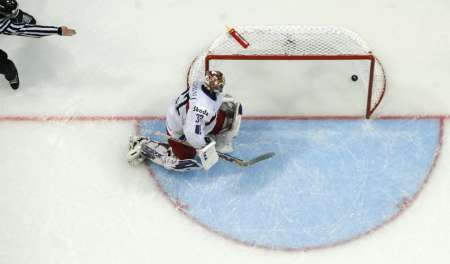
68, 196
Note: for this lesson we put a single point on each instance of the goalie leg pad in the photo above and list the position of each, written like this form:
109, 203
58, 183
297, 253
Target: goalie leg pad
137, 140
237, 118
232, 124
161, 154
142, 148
224, 143
134, 155
233, 113
185, 165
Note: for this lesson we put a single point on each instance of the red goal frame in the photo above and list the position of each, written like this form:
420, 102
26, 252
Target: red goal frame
369, 108
295, 43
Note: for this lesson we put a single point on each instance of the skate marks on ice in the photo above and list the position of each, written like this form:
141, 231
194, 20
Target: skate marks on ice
332, 181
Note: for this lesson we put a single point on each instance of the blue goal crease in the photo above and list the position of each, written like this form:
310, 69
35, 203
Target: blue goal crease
330, 181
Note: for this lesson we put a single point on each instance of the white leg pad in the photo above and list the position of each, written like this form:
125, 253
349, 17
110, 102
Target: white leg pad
161, 155
225, 138
224, 142
134, 155
141, 148
236, 125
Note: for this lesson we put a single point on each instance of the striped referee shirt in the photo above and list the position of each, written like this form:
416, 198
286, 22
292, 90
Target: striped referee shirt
8, 27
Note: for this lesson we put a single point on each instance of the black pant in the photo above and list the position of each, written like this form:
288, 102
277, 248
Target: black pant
7, 67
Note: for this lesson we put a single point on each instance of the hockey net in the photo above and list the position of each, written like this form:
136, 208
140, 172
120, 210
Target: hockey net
309, 53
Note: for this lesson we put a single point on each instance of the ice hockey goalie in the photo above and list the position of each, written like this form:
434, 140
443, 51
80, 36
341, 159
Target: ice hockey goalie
201, 121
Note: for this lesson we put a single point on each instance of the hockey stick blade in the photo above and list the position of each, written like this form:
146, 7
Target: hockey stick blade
246, 163
227, 157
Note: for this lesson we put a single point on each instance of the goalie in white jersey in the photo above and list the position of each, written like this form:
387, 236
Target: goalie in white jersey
199, 122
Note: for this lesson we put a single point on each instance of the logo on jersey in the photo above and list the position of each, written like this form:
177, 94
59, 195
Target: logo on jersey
200, 111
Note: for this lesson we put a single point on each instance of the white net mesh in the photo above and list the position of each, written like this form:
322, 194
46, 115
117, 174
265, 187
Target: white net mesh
293, 40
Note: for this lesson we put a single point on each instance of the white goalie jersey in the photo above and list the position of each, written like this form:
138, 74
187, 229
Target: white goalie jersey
193, 115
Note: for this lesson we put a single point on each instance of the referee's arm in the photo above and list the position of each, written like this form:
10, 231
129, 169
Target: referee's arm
36, 31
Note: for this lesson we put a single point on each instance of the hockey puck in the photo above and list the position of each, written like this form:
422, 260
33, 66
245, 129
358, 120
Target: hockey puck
354, 78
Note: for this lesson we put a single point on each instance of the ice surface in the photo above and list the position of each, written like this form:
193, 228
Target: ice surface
67, 194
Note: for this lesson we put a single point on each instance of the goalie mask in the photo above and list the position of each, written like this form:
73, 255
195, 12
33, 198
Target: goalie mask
9, 8
215, 81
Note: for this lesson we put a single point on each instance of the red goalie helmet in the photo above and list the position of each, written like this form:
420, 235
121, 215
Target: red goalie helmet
215, 81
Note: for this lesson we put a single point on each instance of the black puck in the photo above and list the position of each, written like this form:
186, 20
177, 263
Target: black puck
354, 78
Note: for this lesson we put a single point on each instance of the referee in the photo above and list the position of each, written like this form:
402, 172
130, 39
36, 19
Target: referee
14, 21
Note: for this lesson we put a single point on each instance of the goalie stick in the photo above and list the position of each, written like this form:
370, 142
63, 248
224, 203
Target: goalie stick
227, 157
245, 163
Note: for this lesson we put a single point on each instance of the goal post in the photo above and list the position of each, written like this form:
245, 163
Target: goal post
298, 43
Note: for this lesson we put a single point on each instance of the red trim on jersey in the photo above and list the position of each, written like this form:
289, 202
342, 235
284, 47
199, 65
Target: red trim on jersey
220, 120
